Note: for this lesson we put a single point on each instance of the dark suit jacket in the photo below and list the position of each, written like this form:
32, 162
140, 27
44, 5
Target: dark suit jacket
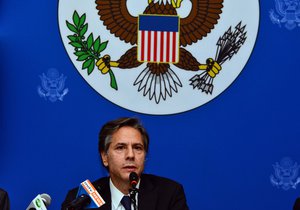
4, 201
155, 193
297, 204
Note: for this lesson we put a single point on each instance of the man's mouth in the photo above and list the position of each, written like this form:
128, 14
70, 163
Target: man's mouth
129, 167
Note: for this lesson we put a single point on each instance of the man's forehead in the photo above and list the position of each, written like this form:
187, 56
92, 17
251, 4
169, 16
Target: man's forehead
127, 135
127, 141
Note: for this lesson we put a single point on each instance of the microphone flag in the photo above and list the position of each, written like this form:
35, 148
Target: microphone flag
86, 188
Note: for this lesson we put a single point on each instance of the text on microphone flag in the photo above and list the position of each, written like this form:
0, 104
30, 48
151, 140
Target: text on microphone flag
87, 188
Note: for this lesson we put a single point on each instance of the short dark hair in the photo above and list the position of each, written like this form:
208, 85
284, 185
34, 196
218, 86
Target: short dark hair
113, 126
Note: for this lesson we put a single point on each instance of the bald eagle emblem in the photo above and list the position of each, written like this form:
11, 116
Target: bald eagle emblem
154, 47
287, 13
286, 174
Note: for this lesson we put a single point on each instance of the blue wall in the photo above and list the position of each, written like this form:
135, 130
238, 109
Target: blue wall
222, 152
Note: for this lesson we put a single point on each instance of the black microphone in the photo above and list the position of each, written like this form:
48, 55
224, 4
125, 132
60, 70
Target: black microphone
79, 203
133, 178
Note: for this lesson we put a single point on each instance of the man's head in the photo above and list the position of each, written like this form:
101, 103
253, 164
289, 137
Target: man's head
123, 144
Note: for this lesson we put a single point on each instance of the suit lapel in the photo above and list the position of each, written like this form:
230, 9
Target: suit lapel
102, 187
147, 195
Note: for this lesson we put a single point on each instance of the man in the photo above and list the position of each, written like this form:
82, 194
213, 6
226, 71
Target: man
123, 145
297, 204
4, 200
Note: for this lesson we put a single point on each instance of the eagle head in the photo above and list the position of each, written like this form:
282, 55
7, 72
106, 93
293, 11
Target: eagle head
174, 3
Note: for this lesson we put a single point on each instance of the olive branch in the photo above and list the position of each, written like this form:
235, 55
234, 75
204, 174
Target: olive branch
87, 50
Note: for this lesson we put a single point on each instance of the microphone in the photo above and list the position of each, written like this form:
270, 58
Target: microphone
79, 203
133, 178
40, 202
87, 198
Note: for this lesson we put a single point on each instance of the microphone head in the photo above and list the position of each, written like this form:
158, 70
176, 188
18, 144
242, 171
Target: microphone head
133, 178
41, 201
79, 203
46, 199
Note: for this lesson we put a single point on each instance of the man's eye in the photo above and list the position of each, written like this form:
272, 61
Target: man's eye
120, 147
139, 148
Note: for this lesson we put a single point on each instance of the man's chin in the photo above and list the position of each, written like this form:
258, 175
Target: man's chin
127, 172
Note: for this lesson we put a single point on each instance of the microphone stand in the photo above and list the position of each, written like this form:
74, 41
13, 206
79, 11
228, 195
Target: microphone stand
132, 193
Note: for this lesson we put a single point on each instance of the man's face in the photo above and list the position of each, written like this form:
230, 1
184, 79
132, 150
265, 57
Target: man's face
125, 154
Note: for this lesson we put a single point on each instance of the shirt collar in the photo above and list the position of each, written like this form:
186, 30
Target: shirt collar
116, 194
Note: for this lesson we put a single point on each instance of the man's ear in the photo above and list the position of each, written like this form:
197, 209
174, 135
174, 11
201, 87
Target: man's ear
104, 158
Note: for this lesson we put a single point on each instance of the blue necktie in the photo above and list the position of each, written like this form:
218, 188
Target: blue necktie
126, 202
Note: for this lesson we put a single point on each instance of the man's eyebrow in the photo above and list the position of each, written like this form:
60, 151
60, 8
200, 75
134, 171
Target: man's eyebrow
126, 144
119, 144
138, 144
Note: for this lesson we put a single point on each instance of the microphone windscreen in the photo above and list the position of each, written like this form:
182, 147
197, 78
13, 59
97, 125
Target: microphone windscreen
46, 199
133, 178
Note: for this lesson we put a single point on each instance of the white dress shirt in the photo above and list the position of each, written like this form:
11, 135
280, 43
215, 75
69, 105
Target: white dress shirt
117, 195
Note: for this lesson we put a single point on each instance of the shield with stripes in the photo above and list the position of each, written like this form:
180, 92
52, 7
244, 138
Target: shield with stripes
158, 39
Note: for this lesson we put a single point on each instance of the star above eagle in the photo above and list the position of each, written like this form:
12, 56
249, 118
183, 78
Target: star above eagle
158, 80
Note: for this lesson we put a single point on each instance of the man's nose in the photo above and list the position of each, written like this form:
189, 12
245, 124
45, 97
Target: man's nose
130, 152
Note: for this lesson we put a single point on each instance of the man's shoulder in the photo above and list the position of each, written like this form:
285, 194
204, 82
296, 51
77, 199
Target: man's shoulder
98, 182
164, 193
101, 181
159, 180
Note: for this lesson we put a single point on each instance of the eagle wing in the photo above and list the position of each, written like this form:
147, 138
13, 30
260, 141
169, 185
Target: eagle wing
202, 18
118, 20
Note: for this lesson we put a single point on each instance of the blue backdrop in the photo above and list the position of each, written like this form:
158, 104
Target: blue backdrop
223, 152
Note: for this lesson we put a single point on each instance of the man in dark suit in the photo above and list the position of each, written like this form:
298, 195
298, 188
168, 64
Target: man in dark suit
123, 145
297, 204
4, 201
